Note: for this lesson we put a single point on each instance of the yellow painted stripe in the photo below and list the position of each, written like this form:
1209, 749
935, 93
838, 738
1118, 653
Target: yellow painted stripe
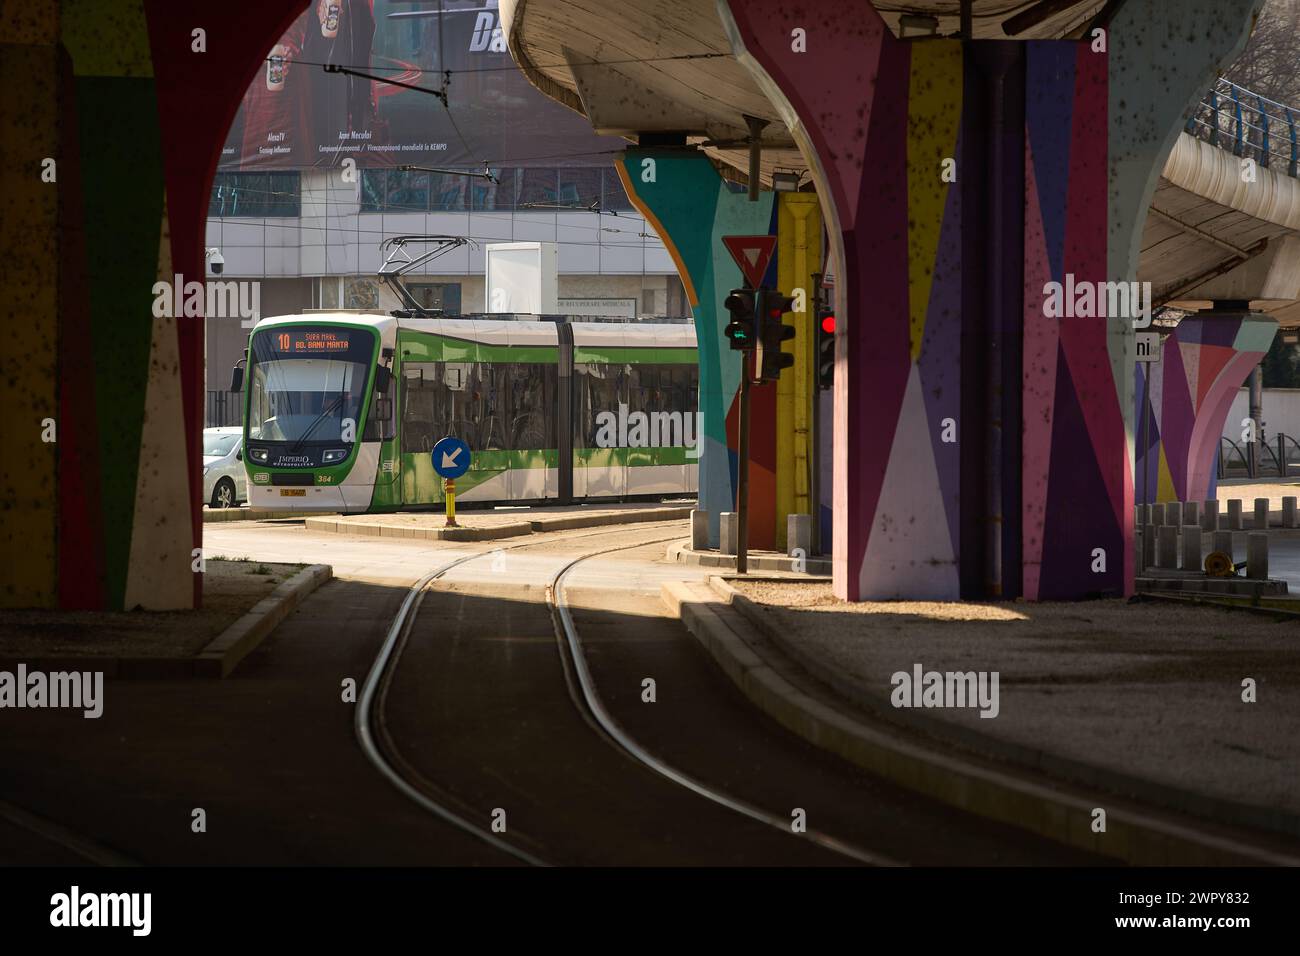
799, 250
1164, 480
36, 24
934, 117
29, 274
109, 39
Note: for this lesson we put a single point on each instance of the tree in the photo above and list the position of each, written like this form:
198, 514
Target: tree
1281, 365
1268, 64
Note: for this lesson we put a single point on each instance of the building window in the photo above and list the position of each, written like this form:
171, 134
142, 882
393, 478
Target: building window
615, 197
434, 296
580, 186
256, 195
487, 196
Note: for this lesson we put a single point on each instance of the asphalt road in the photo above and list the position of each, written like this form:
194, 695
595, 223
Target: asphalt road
479, 708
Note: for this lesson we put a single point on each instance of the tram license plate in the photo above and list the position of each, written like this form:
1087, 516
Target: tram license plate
293, 492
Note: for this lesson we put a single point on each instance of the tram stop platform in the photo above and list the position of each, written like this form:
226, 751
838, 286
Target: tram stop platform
500, 522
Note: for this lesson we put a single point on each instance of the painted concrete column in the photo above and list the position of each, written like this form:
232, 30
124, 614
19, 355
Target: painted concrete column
107, 515
931, 346
1187, 395
692, 207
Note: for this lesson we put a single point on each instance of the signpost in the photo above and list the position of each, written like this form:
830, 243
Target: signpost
1148, 351
752, 254
451, 458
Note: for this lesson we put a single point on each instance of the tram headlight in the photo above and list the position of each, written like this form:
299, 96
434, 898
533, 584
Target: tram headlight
333, 455
259, 454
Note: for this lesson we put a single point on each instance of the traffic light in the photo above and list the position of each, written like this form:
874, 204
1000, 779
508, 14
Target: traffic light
825, 319
769, 359
740, 328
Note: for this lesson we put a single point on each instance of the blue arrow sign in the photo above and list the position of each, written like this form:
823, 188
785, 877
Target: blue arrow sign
450, 457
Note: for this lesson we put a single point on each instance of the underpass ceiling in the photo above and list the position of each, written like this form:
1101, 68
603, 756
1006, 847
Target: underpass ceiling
666, 65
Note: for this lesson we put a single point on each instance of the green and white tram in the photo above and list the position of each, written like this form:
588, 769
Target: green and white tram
343, 408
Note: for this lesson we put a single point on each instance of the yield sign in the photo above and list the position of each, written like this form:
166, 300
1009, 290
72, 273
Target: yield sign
752, 254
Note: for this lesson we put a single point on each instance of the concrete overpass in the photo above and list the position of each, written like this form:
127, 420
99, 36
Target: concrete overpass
1060, 133
1073, 135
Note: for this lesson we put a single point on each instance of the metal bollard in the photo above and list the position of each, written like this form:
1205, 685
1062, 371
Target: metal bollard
1289, 512
1257, 555
1167, 547
1261, 514
1232, 520
728, 529
1210, 516
1148, 546
699, 530
1174, 513
1223, 542
1157, 514
1192, 547
1142, 516
1191, 513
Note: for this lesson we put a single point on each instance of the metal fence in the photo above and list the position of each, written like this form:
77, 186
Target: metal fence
1278, 457
223, 408
1252, 126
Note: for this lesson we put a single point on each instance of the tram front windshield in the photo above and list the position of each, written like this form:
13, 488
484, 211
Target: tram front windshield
308, 383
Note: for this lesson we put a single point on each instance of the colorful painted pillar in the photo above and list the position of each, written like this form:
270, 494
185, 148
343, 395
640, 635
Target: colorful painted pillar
982, 437
1186, 397
692, 208
109, 152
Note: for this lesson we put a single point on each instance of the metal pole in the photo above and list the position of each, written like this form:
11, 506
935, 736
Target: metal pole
755, 154
814, 453
742, 480
449, 486
1256, 413
1142, 440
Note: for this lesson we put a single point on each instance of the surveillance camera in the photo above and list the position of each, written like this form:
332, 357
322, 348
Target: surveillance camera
216, 262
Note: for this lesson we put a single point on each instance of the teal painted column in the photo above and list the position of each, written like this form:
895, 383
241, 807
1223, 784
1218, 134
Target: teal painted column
692, 208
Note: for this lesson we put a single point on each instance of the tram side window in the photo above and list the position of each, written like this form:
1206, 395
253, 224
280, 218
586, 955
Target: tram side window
599, 387
668, 395
532, 407
490, 405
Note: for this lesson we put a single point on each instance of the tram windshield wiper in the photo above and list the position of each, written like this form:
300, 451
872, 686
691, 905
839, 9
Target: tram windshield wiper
327, 410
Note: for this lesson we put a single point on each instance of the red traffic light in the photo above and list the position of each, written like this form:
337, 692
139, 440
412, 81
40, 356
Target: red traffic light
828, 324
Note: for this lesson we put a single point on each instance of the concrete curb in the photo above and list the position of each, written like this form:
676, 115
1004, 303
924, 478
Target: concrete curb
337, 525
683, 553
211, 515
1133, 834
217, 659
232, 645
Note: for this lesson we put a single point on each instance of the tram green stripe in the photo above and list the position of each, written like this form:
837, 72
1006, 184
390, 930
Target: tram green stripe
423, 347
121, 168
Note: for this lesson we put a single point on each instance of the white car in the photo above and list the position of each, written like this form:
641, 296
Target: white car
225, 483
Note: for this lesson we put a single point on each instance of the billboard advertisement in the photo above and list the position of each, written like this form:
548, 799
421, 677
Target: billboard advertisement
297, 115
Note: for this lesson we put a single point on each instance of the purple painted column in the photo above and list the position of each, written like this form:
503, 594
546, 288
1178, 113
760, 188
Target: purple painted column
1188, 394
946, 338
